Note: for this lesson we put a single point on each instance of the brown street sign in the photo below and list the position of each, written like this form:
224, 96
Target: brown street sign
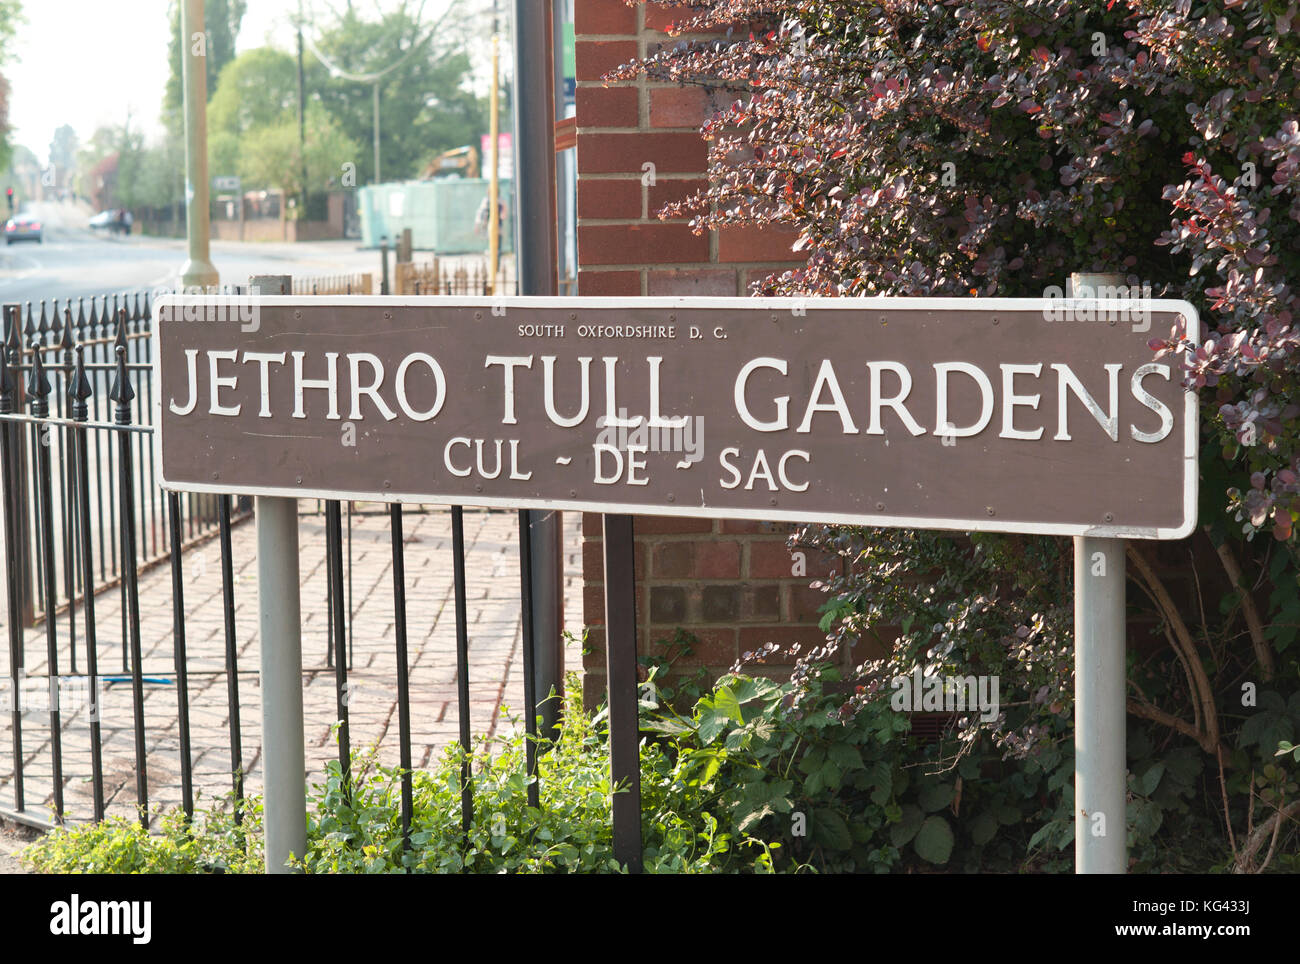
1010, 415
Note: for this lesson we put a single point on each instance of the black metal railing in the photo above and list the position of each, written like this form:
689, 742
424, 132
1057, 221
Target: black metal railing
53, 328
83, 515
80, 499
96, 328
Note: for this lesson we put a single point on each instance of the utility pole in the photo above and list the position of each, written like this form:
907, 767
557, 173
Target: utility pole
376, 131
494, 157
302, 115
534, 143
198, 269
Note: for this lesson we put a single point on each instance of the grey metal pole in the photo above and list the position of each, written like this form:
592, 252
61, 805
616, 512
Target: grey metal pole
283, 754
279, 612
535, 262
563, 167
1100, 685
198, 269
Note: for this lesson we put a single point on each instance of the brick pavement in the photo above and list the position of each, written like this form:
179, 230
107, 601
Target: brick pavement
492, 562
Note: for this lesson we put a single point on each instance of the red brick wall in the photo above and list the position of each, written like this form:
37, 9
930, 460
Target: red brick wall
729, 583
623, 249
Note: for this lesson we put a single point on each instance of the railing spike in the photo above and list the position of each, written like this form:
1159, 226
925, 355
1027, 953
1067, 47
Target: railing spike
38, 385
13, 343
66, 341
79, 388
121, 392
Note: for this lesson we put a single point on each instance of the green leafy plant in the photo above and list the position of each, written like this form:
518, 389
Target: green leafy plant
210, 843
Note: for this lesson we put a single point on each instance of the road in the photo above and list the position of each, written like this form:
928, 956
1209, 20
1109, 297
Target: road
74, 261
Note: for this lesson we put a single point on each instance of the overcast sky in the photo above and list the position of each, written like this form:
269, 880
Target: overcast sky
93, 62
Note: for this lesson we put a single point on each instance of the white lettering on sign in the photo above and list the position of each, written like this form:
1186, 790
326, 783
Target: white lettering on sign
757, 401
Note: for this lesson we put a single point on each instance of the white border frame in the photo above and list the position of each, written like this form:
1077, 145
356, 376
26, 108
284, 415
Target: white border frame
1191, 407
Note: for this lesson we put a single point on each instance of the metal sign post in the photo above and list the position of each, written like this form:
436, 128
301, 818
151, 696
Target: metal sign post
1100, 683
1100, 680
279, 624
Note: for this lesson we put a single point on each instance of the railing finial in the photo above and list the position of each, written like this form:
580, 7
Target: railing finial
79, 388
38, 385
122, 392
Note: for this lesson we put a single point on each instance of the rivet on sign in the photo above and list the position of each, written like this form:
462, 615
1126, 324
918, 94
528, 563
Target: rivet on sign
387, 484
297, 314
573, 493
388, 314
772, 501
880, 507
989, 510
672, 317
671, 497
478, 316
215, 476
1109, 517
299, 480
1112, 322
478, 488
573, 316
995, 321
883, 321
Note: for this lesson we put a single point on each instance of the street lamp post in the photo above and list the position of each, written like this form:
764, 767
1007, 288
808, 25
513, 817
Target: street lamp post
198, 269
377, 131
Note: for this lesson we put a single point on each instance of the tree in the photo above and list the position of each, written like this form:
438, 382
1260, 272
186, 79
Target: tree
11, 15
270, 155
257, 89
992, 147
137, 182
221, 19
426, 106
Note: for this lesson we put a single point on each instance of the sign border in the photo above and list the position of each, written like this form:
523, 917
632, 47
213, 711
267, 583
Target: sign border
1191, 407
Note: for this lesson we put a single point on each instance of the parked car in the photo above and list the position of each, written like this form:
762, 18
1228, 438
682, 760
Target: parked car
107, 221
22, 227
